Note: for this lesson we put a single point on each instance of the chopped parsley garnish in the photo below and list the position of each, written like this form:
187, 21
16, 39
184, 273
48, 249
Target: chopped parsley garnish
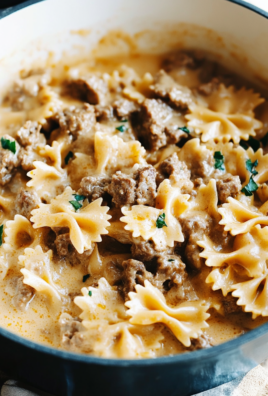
76, 205
219, 161
171, 260
122, 128
85, 277
7, 144
124, 120
160, 222
1, 234
78, 197
68, 157
185, 129
251, 165
249, 189
90, 293
251, 142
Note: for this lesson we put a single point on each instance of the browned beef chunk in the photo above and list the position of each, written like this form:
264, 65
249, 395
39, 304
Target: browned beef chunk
138, 188
203, 165
134, 272
70, 329
23, 295
177, 172
209, 87
157, 124
228, 186
29, 134
166, 88
194, 228
170, 272
154, 115
146, 185
179, 59
74, 120
123, 108
203, 341
144, 250
25, 202
27, 156
62, 243
94, 187
8, 161
230, 305
65, 248
122, 189
91, 89
104, 113
174, 134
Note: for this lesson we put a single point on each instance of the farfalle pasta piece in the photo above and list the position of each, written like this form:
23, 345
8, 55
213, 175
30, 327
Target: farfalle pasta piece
207, 199
223, 279
221, 126
49, 105
253, 295
86, 226
46, 180
112, 153
148, 306
248, 257
228, 100
142, 220
193, 152
123, 340
37, 273
18, 234
101, 304
53, 153
239, 218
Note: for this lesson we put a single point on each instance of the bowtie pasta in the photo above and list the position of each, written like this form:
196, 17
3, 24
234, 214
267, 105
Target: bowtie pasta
133, 205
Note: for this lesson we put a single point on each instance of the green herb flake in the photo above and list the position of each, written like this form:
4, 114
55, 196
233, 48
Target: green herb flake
68, 157
185, 129
171, 260
251, 165
78, 197
9, 145
254, 143
1, 234
122, 128
76, 205
85, 277
90, 293
250, 187
219, 161
160, 222
124, 120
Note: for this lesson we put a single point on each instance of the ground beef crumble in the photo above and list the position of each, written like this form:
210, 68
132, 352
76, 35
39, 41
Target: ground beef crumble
8, 161
75, 120
25, 202
167, 89
91, 89
177, 171
138, 188
228, 186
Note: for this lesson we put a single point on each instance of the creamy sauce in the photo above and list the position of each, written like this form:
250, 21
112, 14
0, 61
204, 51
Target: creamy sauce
41, 96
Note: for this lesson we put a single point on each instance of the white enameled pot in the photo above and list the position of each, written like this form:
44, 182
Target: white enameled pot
43, 31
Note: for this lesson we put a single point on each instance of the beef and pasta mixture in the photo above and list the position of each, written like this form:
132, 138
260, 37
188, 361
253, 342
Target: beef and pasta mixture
134, 205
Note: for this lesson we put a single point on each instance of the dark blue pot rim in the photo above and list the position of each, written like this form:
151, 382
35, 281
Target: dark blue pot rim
201, 354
